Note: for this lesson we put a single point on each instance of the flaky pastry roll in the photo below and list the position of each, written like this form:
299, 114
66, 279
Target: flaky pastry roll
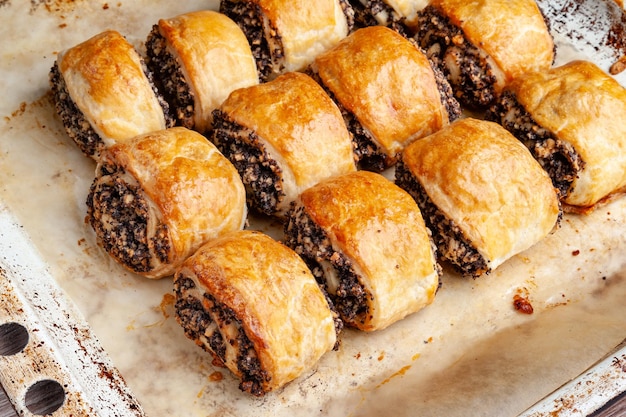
158, 197
388, 92
366, 242
283, 136
482, 45
198, 58
286, 36
253, 304
570, 118
482, 194
104, 94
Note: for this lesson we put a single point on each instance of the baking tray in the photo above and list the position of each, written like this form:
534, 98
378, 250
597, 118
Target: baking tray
110, 339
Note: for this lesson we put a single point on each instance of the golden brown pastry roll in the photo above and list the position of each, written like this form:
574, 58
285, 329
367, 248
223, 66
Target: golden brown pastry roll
482, 194
198, 58
286, 36
104, 94
482, 45
570, 118
400, 15
283, 136
388, 92
253, 304
366, 242
158, 197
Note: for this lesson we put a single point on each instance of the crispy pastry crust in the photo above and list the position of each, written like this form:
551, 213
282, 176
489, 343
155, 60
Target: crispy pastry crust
379, 230
300, 128
583, 106
190, 188
304, 28
488, 184
214, 56
272, 294
387, 83
104, 77
513, 33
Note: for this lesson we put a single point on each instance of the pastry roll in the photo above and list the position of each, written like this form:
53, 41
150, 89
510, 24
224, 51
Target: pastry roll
366, 242
104, 94
388, 92
400, 15
283, 136
158, 197
570, 118
198, 59
482, 45
482, 194
252, 303
286, 36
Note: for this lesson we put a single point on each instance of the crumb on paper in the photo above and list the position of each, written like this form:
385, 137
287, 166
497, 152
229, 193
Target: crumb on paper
521, 302
619, 66
216, 376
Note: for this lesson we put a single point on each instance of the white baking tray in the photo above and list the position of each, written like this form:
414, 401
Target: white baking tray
469, 350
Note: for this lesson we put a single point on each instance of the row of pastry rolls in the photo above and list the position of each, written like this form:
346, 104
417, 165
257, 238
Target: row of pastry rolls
165, 201
169, 203
292, 141
105, 92
357, 252
371, 256
488, 191
160, 192
357, 106
480, 45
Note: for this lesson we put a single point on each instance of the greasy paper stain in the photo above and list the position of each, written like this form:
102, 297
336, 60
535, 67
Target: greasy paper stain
401, 372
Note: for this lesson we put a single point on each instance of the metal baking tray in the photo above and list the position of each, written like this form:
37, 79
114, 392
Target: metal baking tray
109, 340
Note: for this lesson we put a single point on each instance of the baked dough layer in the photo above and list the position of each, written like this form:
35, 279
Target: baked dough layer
214, 57
488, 184
252, 288
388, 84
582, 106
296, 125
186, 187
375, 235
513, 33
105, 78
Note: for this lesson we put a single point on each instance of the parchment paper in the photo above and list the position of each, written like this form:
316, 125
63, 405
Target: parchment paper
469, 353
